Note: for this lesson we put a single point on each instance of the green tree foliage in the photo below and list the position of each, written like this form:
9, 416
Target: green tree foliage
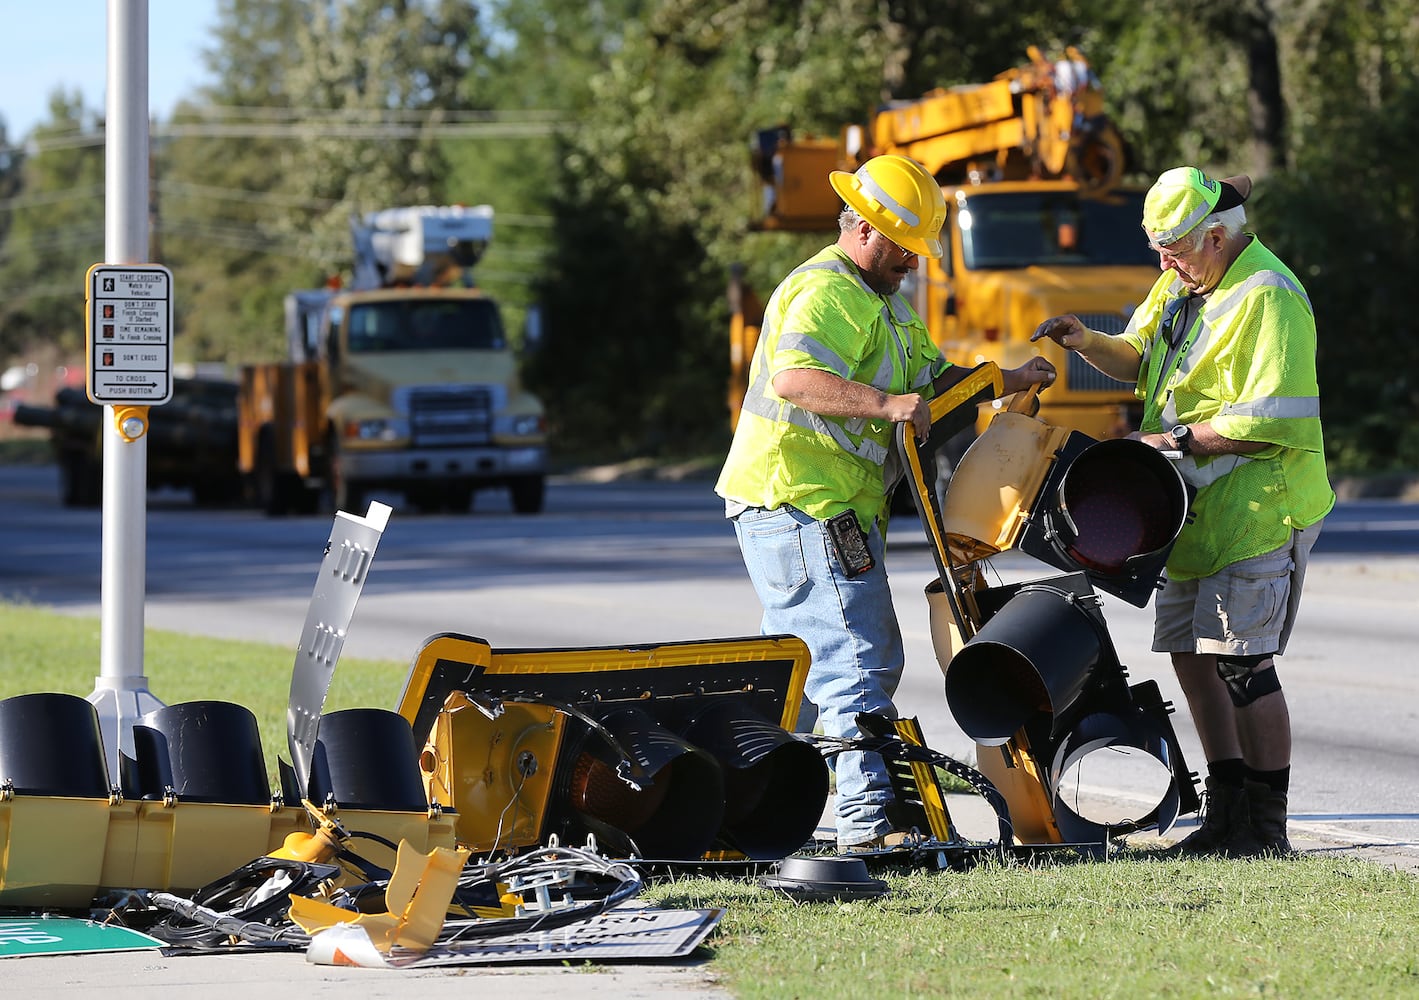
317, 113
219, 195
386, 71
531, 80
646, 188
1347, 219
12, 159
53, 231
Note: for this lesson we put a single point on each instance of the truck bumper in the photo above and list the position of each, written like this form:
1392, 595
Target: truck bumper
442, 464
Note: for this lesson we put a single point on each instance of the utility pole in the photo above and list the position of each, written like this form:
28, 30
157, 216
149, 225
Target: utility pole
121, 693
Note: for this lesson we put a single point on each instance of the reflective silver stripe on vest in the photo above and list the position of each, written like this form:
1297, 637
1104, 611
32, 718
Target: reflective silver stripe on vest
1262, 279
758, 401
1205, 475
1278, 407
760, 405
874, 191
924, 378
804, 344
1210, 314
1185, 365
898, 308
1275, 407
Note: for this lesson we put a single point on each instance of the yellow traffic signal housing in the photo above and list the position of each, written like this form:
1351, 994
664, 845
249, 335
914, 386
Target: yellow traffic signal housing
671, 751
191, 806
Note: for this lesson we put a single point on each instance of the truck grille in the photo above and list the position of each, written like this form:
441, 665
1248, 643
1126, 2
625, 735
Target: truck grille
1081, 376
450, 417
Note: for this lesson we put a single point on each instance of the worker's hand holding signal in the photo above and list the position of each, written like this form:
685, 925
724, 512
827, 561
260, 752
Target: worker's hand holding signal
1036, 371
909, 408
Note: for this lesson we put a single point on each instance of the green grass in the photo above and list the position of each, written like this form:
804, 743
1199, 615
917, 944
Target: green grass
1128, 928
1337, 927
46, 651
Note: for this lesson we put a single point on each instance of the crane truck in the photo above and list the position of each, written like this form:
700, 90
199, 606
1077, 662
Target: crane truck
403, 381
1038, 223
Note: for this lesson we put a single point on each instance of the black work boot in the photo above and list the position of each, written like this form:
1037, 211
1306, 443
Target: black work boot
1226, 824
1267, 811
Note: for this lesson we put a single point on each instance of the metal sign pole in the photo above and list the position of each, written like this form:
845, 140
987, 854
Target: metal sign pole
121, 691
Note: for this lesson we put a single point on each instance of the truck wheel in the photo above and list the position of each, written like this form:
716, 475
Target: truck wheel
528, 492
216, 492
345, 494
458, 500
273, 494
80, 480
424, 500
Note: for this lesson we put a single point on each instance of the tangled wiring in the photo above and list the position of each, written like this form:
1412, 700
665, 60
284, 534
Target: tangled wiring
558, 886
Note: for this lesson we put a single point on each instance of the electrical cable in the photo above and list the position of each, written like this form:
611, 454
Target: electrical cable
195, 924
894, 748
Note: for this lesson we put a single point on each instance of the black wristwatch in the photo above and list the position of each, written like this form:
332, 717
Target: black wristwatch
1182, 436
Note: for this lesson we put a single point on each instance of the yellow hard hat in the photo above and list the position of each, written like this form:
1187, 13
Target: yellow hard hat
1183, 196
899, 199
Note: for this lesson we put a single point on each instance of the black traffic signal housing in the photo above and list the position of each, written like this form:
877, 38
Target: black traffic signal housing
1031, 673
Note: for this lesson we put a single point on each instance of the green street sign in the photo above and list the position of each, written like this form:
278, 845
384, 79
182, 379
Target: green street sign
66, 936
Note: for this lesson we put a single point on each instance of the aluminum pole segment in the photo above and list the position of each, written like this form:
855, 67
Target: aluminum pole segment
121, 693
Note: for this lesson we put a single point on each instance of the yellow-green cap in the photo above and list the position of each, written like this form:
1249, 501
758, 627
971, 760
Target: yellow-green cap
1182, 197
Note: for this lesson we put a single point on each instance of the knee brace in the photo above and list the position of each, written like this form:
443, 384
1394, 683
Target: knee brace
1245, 683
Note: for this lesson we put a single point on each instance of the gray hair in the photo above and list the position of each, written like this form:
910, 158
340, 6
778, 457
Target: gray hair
1229, 220
848, 219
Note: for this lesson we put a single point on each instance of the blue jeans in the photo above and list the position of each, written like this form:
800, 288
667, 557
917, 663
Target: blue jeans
851, 631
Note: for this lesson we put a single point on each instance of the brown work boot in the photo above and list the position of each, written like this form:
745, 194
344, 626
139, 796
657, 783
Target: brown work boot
1266, 809
1226, 825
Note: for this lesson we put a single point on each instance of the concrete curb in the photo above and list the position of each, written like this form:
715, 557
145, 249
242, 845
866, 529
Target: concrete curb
1384, 486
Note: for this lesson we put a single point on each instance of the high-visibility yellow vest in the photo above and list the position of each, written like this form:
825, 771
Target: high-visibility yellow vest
824, 316
1248, 367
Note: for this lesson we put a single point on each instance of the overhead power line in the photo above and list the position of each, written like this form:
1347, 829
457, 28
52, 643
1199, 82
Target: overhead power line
372, 114
51, 197
305, 123
42, 292
276, 198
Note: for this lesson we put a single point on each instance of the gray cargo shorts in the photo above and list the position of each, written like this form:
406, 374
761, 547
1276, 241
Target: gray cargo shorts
1245, 609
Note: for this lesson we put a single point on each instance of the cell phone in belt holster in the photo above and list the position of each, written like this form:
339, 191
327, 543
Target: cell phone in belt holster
850, 543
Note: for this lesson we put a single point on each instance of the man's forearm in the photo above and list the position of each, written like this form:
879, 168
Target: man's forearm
1111, 355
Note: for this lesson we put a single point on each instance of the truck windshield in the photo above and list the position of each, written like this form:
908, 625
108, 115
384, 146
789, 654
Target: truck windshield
426, 325
1053, 228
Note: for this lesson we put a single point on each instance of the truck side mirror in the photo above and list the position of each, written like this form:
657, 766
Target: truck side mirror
532, 330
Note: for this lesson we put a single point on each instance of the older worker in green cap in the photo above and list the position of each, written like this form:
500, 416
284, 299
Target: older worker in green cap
1222, 352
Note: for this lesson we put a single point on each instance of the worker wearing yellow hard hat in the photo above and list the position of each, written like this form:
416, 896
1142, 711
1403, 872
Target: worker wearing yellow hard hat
842, 357
899, 199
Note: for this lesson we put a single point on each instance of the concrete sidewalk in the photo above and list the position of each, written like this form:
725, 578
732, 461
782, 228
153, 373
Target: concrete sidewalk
148, 975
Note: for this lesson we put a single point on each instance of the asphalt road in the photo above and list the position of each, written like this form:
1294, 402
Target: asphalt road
629, 563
